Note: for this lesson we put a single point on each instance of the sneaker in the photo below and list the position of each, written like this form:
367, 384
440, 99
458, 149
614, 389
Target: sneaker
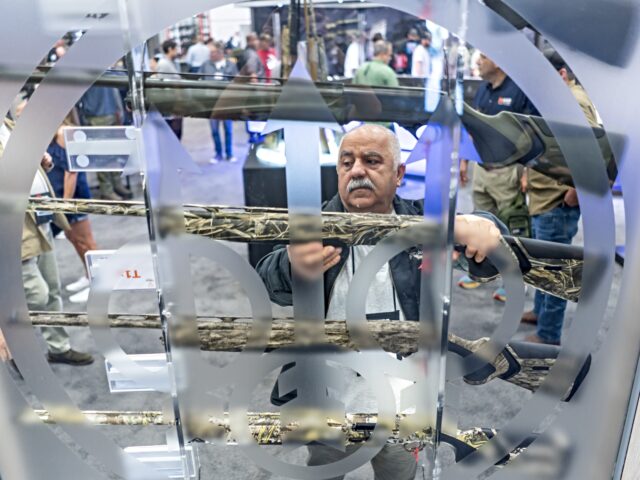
81, 297
231, 159
500, 295
80, 284
216, 159
468, 283
70, 357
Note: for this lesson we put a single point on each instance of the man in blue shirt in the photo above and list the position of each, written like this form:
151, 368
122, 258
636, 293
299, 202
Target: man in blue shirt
100, 106
218, 67
497, 188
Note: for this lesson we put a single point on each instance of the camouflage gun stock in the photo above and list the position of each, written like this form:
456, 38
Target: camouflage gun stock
523, 364
508, 138
551, 267
267, 430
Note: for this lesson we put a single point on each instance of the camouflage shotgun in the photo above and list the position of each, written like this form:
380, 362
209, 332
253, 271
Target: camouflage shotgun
550, 267
523, 364
502, 139
267, 430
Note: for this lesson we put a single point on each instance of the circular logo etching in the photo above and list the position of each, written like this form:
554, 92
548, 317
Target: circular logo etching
257, 367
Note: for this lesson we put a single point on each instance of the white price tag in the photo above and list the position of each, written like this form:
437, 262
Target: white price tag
137, 274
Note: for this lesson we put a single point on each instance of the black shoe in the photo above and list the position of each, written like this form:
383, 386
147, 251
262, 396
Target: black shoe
70, 357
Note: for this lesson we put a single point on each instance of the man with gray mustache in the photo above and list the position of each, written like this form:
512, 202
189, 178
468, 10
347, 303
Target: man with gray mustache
369, 173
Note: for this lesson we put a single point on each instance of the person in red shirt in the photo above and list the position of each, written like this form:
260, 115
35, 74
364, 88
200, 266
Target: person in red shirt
267, 55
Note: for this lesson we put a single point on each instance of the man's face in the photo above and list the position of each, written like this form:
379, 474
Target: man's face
426, 42
215, 54
173, 52
486, 66
367, 179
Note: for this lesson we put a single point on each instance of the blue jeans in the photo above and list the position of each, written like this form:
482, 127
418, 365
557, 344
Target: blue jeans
228, 137
558, 225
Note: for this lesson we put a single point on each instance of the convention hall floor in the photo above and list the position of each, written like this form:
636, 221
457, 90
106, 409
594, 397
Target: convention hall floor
474, 314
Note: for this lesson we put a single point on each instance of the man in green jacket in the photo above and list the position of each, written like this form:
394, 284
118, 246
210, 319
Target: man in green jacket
377, 72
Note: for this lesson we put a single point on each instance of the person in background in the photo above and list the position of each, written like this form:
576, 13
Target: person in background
166, 69
370, 45
335, 59
251, 65
421, 58
218, 67
68, 184
377, 72
102, 107
355, 55
234, 42
403, 60
555, 212
197, 54
497, 188
120, 69
40, 277
267, 55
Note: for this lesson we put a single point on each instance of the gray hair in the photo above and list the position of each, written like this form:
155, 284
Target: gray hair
391, 139
381, 47
218, 45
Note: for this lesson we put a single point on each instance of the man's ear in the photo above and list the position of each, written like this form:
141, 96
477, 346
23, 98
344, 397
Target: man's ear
400, 174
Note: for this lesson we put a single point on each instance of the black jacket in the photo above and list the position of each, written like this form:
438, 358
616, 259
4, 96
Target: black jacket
275, 269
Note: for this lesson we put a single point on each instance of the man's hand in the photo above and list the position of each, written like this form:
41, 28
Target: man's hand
464, 168
46, 163
309, 260
571, 198
5, 355
479, 235
524, 182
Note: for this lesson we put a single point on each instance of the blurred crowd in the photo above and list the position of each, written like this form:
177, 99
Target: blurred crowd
368, 59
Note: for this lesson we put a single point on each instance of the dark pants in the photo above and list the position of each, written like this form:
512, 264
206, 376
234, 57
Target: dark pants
558, 225
393, 462
228, 137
